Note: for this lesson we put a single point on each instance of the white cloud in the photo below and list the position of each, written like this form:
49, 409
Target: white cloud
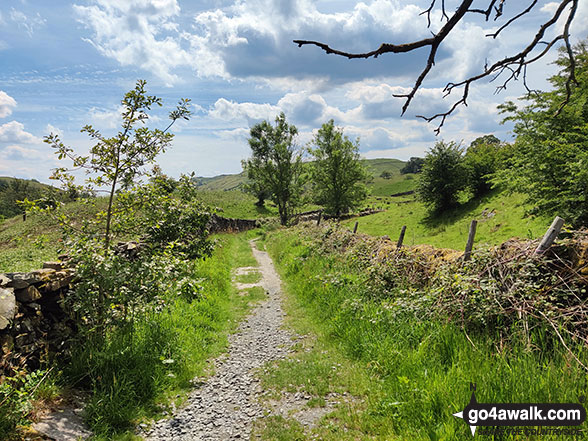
17, 152
7, 103
29, 23
137, 32
54, 130
105, 119
231, 111
14, 132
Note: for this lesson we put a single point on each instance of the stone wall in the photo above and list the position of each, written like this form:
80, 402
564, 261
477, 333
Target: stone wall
218, 224
32, 320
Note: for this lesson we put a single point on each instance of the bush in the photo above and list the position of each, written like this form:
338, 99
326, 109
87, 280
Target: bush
443, 176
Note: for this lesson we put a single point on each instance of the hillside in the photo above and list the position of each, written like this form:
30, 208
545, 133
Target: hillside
375, 166
15, 189
500, 217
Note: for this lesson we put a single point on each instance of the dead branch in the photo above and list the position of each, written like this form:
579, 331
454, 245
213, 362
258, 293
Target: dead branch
513, 66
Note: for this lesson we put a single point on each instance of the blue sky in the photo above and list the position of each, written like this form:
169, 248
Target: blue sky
65, 64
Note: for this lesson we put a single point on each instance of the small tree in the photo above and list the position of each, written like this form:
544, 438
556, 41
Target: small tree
481, 161
276, 165
413, 165
443, 176
117, 161
386, 175
549, 159
337, 173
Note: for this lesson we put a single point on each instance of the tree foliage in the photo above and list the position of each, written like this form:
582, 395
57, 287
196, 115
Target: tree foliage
119, 160
549, 160
113, 284
481, 161
337, 174
413, 165
443, 176
276, 164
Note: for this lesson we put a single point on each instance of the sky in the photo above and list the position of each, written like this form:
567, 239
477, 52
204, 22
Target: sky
65, 64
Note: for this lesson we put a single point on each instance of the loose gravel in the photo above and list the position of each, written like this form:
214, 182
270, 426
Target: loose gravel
227, 403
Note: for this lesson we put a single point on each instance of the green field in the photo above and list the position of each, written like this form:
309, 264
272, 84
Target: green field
504, 217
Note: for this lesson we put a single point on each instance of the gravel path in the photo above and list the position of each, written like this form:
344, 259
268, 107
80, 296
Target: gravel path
225, 406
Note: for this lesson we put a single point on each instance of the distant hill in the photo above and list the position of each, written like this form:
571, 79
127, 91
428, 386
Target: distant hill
375, 166
15, 189
222, 182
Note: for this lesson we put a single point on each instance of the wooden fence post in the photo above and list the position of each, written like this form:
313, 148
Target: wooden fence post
470, 243
318, 221
401, 238
550, 235
355, 227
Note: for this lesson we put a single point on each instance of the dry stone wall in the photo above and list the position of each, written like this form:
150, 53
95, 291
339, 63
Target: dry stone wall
32, 319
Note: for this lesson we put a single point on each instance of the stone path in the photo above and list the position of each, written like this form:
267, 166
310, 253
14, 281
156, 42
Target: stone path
226, 405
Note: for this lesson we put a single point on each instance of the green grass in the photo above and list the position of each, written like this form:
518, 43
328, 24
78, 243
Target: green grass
450, 230
222, 182
251, 277
134, 372
236, 204
24, 246
411, 374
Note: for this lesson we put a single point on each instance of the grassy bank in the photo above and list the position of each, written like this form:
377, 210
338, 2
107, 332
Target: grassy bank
133, 373
409, 371
171, 346
500, 217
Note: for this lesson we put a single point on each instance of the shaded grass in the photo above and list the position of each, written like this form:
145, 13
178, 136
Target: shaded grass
419, 370
450, 230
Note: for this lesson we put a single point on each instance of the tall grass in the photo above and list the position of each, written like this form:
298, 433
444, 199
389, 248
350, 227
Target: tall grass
134, 371
423, 367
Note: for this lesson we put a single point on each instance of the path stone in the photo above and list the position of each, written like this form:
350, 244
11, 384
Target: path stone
226, 405
63, 425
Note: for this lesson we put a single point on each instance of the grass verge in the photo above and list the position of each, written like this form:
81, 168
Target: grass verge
134, 373
416, 370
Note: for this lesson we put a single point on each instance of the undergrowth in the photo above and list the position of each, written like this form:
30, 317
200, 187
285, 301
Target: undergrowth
425, 331
133, 372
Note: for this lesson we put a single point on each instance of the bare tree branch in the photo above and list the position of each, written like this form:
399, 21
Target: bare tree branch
514, 66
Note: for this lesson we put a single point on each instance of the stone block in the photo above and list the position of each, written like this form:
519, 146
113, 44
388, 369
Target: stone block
28, 294
7, 307
58, 266
4, 280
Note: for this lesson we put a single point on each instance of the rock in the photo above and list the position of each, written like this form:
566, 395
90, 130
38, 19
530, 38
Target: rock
28, 294
53, 265
22, 280
7, 307
4, 280
59, 280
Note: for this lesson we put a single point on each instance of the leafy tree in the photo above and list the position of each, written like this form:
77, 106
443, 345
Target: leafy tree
386, 175
256, 189
164, 214
336, 172
481, 161
276, 164
414, 165
549, 160
443, 176
117, 161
